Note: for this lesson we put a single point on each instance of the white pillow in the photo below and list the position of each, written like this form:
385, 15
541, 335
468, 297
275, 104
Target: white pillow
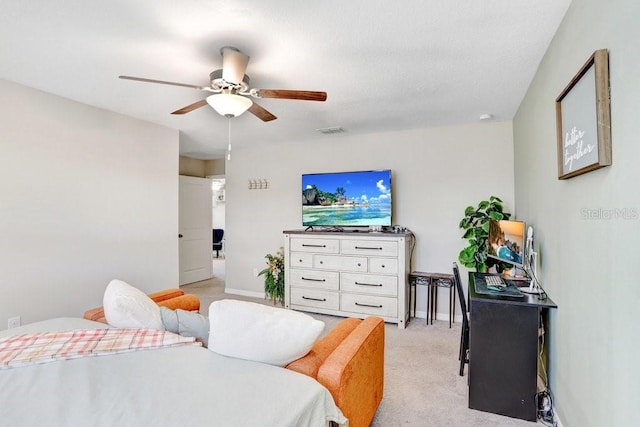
128, 307
261, 333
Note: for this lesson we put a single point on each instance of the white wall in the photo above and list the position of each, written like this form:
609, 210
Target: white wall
436, 174
589, 266
86, 196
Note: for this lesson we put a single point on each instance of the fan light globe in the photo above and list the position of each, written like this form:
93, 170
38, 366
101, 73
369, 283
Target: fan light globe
229, 105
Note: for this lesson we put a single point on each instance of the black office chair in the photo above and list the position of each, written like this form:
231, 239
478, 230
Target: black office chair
218, 234
464, 336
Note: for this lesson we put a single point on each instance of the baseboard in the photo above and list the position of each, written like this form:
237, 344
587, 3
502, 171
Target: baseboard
244, 293
420, 314
439, 316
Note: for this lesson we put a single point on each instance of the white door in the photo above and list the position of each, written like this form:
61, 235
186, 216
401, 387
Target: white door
194, 232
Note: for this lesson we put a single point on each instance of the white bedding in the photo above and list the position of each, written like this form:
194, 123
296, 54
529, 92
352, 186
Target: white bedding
164, 387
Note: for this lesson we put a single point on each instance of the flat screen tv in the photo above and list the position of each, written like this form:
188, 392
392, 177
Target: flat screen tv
506, 241
340, 199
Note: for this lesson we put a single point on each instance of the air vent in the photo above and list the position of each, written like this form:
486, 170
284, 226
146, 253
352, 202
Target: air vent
327, 131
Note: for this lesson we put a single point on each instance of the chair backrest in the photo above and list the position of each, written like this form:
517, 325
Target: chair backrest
461, 297
218, 234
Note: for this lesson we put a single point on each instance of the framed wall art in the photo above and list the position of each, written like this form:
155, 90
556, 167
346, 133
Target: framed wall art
583, 119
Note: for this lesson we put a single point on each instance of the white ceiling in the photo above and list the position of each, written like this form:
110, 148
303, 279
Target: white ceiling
384, 65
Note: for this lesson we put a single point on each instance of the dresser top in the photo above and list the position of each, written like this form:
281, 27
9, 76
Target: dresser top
354, 233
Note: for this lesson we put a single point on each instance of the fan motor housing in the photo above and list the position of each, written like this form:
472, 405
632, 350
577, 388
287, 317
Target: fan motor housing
218, 83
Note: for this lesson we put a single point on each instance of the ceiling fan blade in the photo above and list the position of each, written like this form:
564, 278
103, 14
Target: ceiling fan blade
191, 107
261, 113
141, 79
234, 64
305, 95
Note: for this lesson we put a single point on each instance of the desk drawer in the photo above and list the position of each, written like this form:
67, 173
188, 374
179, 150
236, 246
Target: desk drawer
369, 304
369, 284
315, 279
325, 246
315, 298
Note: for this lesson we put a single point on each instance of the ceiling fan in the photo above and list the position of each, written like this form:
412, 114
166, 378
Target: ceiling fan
230, 90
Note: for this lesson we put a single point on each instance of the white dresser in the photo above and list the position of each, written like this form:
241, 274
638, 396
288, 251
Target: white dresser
348, 274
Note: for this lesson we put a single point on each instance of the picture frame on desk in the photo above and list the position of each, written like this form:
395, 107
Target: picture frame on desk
583, 119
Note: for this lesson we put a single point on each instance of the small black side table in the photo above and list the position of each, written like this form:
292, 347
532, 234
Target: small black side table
433, 281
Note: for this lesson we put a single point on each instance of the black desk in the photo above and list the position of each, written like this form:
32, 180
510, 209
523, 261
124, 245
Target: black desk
503, 352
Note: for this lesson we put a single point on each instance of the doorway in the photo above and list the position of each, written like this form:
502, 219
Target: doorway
218, 222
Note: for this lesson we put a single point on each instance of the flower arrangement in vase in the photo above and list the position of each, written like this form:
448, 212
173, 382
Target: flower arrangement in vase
274, 277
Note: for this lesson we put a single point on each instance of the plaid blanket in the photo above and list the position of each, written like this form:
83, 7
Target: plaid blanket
29, 349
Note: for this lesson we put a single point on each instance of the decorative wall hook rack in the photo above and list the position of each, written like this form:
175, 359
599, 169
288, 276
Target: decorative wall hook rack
258, 184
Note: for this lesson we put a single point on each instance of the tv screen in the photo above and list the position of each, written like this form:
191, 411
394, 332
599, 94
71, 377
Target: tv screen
341, 199
506, 241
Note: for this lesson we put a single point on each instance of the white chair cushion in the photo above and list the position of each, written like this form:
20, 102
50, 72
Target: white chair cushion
251, 331
128, 307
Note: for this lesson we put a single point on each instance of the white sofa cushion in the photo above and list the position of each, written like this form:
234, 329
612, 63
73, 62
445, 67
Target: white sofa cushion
128, 307
252, 331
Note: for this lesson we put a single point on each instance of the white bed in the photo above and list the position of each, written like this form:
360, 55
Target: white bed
179, 386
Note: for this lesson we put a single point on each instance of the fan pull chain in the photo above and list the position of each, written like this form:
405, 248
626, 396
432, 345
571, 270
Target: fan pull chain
229, 139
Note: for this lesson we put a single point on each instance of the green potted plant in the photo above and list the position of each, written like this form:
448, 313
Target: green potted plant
476, 225
274, 277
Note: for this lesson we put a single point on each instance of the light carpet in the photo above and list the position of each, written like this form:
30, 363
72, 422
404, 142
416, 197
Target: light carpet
422, 385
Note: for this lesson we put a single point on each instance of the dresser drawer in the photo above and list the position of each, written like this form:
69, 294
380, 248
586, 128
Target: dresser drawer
369, 284
369, 247
301, 260
325, 246
315, 279
383, 265
315, 298
341, 263
369, 304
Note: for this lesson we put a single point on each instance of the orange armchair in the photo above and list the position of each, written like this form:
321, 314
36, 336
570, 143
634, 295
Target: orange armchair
349, 362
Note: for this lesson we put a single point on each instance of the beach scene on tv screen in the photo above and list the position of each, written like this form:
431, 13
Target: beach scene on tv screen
347, 199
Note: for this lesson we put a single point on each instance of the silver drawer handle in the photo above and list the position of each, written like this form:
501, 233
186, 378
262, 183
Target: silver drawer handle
368, 284
317, 299
366, 305
368, 248
313, 280
313, 246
